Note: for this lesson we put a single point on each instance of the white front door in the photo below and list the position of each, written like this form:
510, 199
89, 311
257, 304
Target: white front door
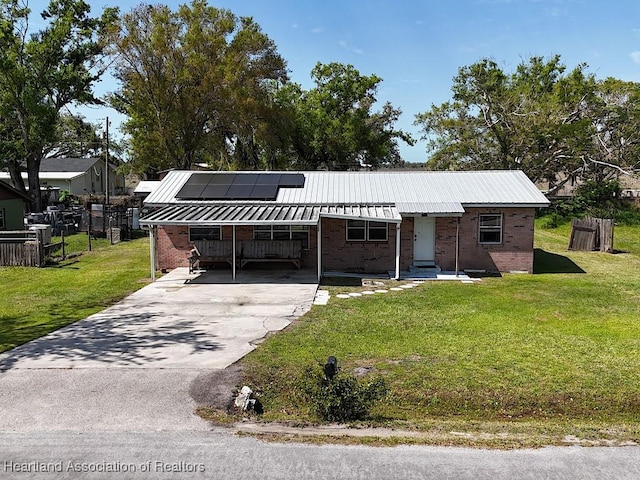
424, 240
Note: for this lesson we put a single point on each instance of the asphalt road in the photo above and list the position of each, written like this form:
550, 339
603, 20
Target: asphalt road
108, 398
221, 455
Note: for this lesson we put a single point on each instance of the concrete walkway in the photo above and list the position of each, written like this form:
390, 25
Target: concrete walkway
131, 364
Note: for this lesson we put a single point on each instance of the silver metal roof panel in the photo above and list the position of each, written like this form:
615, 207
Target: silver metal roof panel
258, 214
428, 189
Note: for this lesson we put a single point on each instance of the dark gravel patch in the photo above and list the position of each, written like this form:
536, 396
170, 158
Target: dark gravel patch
217, 388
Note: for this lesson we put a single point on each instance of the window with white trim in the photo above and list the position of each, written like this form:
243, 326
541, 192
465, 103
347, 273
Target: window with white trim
205, 233
283, 232
367, 231
490, 228
2, 220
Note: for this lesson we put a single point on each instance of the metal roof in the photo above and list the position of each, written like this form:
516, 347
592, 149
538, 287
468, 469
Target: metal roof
146, 186
67, 164
47, 175
449, 209
252, 214
417, 192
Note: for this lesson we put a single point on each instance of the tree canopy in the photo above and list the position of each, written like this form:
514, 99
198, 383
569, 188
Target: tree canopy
333, 125
552, 123
195, 85
42, 72
200, 85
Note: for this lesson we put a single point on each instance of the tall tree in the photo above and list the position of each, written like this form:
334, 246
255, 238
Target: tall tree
538, 119
75, 137
333, 125
616, 122
195, 85
41, 73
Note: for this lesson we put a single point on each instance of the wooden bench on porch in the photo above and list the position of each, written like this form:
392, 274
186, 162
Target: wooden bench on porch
270, 251
207, 252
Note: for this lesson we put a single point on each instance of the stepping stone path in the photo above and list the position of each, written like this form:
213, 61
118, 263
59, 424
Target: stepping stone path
322, 296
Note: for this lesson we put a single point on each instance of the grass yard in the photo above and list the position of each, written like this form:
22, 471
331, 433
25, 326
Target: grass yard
517, 360
36, 301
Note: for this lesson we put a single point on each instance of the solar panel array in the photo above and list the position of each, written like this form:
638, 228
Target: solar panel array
238, 186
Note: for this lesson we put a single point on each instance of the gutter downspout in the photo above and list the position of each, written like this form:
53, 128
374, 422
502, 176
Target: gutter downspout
319, 239
397, 277
457, 245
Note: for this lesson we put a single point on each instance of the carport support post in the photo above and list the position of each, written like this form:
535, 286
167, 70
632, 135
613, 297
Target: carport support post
152, 251
233, 252
397, 251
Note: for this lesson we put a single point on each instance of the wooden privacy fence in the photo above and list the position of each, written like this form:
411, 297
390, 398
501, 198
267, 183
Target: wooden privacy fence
589, 234
22, 248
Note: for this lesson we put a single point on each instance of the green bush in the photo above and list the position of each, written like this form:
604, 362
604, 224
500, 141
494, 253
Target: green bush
344, 397
594, 199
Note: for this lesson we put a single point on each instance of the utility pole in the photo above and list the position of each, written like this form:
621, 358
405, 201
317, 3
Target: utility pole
106, 162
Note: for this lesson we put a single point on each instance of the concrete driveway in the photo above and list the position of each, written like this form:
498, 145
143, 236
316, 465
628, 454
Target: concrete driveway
131, 364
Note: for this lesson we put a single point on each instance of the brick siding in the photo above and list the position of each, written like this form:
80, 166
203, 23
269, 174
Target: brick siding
515, 253
369, 257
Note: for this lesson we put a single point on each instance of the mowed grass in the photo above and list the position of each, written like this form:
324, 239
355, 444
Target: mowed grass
36, 301
557, 348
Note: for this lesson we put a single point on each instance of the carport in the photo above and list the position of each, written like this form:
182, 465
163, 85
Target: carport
270, 215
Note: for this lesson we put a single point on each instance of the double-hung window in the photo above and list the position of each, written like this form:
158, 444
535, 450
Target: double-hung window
490, 228
2, 220
366, 231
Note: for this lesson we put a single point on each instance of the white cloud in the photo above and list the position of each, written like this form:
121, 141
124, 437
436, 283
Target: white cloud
635, 56
350, 47
317, 30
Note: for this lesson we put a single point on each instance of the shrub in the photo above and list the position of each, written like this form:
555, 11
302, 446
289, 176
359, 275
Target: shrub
595, 199
344, 397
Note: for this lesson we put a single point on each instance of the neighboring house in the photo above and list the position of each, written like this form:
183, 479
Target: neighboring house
79, 176
367, 222
144, 188
12, 207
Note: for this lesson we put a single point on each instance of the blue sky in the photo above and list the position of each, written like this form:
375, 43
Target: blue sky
417, 46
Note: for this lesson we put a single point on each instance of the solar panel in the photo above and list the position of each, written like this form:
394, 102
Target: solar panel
198, 179
190, 191
268, 179
246, 179
215, 191
239, 192
264, 192
221, 178
292, 180
238, 186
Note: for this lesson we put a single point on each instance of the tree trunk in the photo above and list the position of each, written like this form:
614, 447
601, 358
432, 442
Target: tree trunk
33, 172
16, 176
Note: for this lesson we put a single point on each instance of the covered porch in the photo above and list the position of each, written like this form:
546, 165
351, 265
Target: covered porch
249, 233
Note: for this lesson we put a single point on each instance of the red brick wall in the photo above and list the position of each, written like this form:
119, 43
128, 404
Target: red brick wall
369, 257
514, 254
173, 246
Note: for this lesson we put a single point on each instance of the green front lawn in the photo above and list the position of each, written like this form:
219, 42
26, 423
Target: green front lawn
555, 353
36, 301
